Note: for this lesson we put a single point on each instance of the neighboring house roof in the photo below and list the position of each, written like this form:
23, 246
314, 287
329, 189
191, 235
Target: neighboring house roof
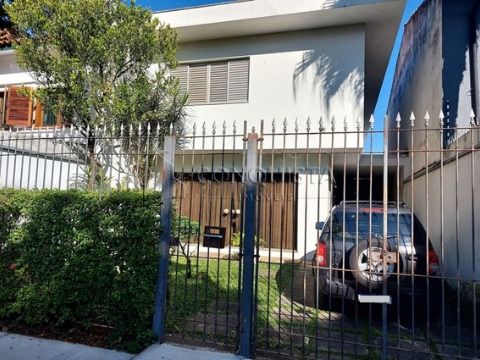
7, 38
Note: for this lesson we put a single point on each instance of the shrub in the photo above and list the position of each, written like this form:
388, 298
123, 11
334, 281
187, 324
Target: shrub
10, 211
78, 257
236, 238
185, 229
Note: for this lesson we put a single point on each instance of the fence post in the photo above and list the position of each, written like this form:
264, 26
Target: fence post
246, 301
385, 235
166, 221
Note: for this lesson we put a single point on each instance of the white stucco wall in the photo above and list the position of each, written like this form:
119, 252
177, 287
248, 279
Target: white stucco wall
314, 204
36, 172
457, 212
293, 76
10, 72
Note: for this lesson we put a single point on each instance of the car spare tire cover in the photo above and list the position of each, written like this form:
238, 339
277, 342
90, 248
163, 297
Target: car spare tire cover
367, 279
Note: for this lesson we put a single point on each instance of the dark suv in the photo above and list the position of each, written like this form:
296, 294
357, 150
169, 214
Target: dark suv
351, 254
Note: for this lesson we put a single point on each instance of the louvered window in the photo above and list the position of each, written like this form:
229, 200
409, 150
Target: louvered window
238, 80
215, 82
218, 82
181, 73
197, 84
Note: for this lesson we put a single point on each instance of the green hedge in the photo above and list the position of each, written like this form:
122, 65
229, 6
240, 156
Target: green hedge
70, 257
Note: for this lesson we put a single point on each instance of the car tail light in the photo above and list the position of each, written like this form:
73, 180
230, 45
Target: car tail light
321, 254
433, 262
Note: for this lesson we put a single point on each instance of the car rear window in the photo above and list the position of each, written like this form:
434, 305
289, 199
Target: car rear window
400, 224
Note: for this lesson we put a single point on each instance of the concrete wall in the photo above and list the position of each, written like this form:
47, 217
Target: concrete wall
433, 74
460, 192
433, 70
417, 85
41, 172
24, 171
294, 75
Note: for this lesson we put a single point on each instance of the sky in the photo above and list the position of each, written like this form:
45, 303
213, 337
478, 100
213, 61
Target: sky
382, 103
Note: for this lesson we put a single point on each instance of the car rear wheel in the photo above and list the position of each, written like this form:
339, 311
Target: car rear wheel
367, 263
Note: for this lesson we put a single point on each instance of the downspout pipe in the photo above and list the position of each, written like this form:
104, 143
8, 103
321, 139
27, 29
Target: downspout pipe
474, 58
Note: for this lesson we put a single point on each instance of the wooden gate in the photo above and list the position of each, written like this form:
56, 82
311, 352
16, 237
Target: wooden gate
215, 200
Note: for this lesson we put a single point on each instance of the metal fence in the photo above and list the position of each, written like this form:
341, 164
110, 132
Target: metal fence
97, 158
308, 240
303, 239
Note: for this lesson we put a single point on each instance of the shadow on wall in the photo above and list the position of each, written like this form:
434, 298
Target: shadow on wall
339, 85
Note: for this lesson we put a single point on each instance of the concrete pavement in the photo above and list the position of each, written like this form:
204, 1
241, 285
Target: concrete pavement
19, 347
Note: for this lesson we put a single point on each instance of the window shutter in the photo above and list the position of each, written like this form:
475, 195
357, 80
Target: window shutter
181, 73
238, 80
218, 82
197, 84
19, 108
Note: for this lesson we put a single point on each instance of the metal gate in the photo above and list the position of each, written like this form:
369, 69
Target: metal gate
312, 241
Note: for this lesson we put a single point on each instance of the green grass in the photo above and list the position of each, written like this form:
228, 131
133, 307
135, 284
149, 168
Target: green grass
215, 283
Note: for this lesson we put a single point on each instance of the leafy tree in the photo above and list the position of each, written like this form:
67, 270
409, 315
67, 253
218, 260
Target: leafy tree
99, 62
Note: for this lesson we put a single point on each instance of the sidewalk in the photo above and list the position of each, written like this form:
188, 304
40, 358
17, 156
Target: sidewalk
176, 352
19, 347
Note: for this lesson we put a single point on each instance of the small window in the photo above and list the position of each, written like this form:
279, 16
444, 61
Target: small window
49, 117
214, 83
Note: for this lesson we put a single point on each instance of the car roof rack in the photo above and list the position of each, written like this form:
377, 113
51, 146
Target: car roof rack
373, 203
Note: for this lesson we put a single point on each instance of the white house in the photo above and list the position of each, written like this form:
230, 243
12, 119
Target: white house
273, 60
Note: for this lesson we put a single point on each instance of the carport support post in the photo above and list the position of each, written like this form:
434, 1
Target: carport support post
164, 245
246, 301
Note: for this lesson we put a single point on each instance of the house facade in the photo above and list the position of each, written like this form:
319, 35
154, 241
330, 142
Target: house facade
438, 72
285, 60
298, 67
